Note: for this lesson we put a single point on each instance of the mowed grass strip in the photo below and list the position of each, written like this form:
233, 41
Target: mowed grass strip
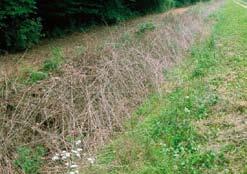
198, 125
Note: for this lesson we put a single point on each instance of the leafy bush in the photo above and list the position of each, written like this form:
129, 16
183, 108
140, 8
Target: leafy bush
27, 34
144, 6
19, 28
49, 65
54, 62
30, 160
142, 28
36, 76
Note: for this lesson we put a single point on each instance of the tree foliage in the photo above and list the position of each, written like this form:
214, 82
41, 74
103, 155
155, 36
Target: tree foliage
20, 27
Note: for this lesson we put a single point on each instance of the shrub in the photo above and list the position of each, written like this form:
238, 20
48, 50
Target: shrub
54, 62
27, 34
19, 28
36, 76
145, 6
29, 160
142, 28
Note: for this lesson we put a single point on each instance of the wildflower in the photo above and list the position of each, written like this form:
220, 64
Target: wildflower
67, 154
74, 172
73, 166
78, 142
55, 158
79, 149
64, 157
74, 151
91, 160
78, 155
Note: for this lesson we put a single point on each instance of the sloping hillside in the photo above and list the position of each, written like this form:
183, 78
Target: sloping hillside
64, 100
199, 123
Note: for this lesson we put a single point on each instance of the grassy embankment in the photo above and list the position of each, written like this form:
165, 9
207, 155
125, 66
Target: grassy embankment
199, 123
87, 87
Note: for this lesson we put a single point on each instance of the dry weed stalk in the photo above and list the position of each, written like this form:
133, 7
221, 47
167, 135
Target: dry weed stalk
95, 92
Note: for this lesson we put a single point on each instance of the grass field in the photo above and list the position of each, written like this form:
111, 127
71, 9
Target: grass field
199, 123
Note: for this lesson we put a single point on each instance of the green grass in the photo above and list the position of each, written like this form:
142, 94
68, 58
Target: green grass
178, 131
49, 65
144, 27
30, 160
53, 63
36, 76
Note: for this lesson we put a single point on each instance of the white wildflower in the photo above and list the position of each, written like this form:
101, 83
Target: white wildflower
79, 149
91, 160
78, 155
78, 142
73, 166
67, 154
64, 157
74, 151
74, 172
55, 158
